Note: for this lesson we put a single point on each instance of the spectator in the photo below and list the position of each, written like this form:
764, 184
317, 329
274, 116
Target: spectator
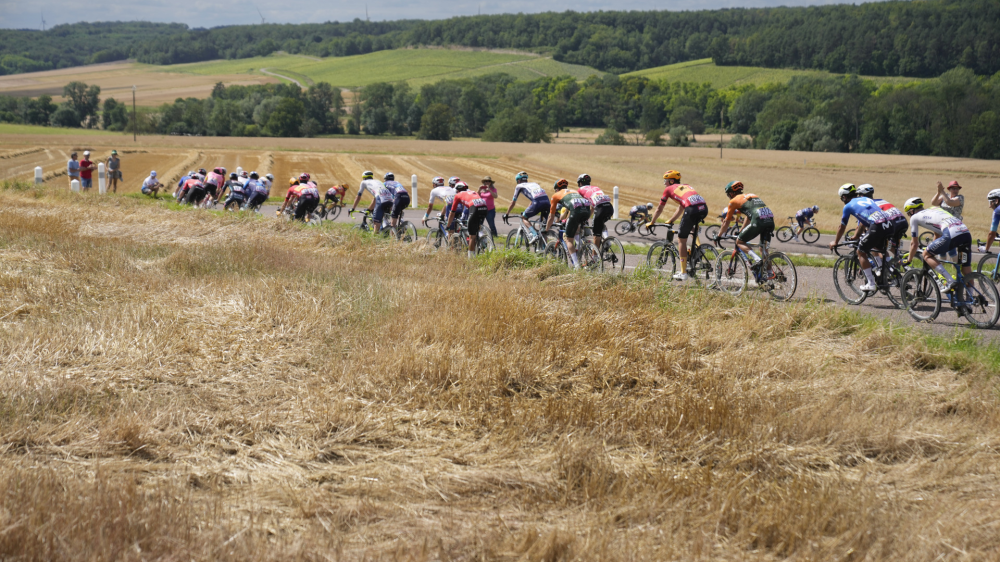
86, 171
488, 192
73, 169
152, 186
950, 200
114, 171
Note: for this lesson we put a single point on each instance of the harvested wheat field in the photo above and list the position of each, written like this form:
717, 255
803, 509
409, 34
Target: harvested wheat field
787, 181
197, 386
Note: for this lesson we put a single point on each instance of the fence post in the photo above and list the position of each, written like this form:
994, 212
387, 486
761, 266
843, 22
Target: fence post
239, 170
615, 216
413, 183
74, 186
102, 179
38, 175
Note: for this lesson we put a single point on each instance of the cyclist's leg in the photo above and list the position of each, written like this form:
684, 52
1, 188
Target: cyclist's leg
602, 214
573, 223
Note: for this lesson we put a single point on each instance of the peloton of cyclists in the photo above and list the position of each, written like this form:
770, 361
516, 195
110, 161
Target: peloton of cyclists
896, 218
382, 198
689, 204
874, 229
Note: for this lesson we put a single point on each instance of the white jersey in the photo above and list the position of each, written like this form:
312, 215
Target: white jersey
530, 190
149, 183
266, 183
937, 220
243, 181
379, 191
444, 193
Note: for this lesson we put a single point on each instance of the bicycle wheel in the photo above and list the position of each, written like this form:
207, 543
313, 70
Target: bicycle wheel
703, 264
810, 235
590, 258
435, 238
921, 295
612, 254
847, 277
333, 212
485, 244
623, 228
982, 310
731, 273
662, 256
643, 231
712, 232
516, 239
784, 234
988, 267
779, 277
926, 238
892, 280
407, 232
849, 235
232, 205
555, 251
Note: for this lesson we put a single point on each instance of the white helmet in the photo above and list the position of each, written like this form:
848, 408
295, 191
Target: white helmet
995, 194
866, 190
847, 189
912, 204
270, 177
649, 205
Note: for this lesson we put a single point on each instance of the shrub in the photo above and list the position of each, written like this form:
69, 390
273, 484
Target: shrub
679, 137
610, 137
655, 137
65, 116
739, 141
515, 125
436, 123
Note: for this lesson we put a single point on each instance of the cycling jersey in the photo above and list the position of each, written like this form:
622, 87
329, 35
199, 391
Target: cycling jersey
444, 193
996, 219
215, 179
395, 187
264, 188
308, 190
594, 193
250, 187
751, 206
938, 221
532, 191
806, 213
235, 187
569, 200
468, 200
683, 194
890, 210
638, 210
193, 183
293, 191
183, 180
865, 210
379, 191
336, 190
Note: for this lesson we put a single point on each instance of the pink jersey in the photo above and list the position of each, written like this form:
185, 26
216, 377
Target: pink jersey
595, 194
684, 194
215, 179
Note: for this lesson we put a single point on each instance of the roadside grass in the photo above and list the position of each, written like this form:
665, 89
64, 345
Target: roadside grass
311, 391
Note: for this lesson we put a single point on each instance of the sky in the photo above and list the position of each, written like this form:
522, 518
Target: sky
199, 13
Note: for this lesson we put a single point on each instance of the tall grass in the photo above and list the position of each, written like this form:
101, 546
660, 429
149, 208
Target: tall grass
193, 386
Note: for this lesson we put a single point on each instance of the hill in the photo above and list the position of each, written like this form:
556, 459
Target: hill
704, 70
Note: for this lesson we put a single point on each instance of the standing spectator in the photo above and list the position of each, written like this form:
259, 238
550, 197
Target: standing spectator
86, 171
950, 200
73, 169
114, 170
489, 193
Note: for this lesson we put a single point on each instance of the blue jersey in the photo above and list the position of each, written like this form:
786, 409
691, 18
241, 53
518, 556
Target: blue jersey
806, 213
996, 219
396, 187
866, 211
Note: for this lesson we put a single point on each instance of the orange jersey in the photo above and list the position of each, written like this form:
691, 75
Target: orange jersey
558, 196
293, 191
750, 205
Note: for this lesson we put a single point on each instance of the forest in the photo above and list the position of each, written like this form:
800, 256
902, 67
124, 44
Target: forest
896, 38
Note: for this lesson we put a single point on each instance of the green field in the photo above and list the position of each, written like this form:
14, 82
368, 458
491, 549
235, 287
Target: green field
704, 70
416, 66
13, 129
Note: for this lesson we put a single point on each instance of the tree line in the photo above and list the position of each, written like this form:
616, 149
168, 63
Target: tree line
896, 38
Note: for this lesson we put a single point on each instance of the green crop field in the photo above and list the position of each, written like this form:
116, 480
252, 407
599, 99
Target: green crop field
13, 129
416, 66
704, 70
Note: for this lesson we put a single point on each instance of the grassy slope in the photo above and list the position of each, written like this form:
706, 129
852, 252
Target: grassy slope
705, 70
13, 129
172, 394
417, 66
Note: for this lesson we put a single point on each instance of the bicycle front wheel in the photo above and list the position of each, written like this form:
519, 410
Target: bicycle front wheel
921, 295
784, 234
407, 232
435, 238
485, 244
712, 232
926, 238
847, 278
988, 267
333, 212
703, 264
810, 235
613, 254
516, 239
662, 256
554, 250
731, 273
981, 308
779, 277
623, 228
893, 280
590, 258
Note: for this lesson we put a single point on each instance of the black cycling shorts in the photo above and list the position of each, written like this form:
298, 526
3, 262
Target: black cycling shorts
946, 243
577, 217
690, 219
876, 237
380, 210
399, 204
476, 217
602, 214
305, 206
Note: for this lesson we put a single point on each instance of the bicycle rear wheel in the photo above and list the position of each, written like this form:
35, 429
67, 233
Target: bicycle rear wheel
982, 310
926, 238
406, 232
590, 258
516, 239
643, 231
921, 295
485, 244
554, 250
612, 254
893, 280
703, 266
780, 277
623, 228
988, 267
435, 238
333, 212
731, 273
663, 257
810, 235
847, 278
784, 234
712, 232
232, 205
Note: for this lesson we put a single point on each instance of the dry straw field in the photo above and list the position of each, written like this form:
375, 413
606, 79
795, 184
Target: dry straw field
179, 385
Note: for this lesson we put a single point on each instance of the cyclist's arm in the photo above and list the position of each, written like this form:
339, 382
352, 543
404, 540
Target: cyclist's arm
677, 214
990, 238
358, 198
517, 193
913, 249
659, 210
552, 214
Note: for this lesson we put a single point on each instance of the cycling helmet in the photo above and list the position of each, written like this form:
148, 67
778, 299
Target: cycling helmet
521, 177
220, 171
293, 181
561, 184
583, 179
672, 175
866, 190
649, 206
846, 190
368, 175
190, 173
461, 186
453, 181
244, 174
270, 177
223, 170
913, 204
389, 176
995, 194
734, 187
202, 171
304, 177
438, 181
233, 176
815, 208
254, 176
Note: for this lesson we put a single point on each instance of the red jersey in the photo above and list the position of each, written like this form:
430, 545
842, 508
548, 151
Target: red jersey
468, 199
84, 173
683, 194
336, 190
293, 191
193, 183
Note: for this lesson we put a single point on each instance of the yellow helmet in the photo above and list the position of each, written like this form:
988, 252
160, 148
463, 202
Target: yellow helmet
672, 175
293, 181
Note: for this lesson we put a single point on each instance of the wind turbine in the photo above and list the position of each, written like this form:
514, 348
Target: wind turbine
43, 20
259, 14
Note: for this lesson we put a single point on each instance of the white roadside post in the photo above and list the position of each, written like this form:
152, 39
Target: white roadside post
413, 184
615, 216
102, 180
239, 171
74, 186
38, 175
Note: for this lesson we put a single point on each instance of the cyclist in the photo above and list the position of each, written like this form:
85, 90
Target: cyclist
400, 198
539, 202
335, 194
640, 211
214, 182
994, 198
256, 191
874, 229
381, 198
269, 181
453, 181
603, 209
308, 200
760, 220
291, 196
180, 184
579, 209
952, 236
235, 188
439, 191
192, 190
896, 217
802, 217
244, 177
151, 185
471, 204
690, 204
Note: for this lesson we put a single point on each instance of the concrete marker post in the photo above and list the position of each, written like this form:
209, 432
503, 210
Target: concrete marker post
615, 216
239, 171
74, 186
413, 184
102, 180
38, 175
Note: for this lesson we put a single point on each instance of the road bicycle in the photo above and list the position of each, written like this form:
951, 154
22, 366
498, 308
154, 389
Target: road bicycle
588, 256
404, 231
988, 264
612, 251
633, 224
663, 255
439, 237
973, 296
712, 231
848, 277
524, 239
329, 212
774, 273
809, 235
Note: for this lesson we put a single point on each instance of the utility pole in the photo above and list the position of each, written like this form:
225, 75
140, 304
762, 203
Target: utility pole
721, 124
135, 122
